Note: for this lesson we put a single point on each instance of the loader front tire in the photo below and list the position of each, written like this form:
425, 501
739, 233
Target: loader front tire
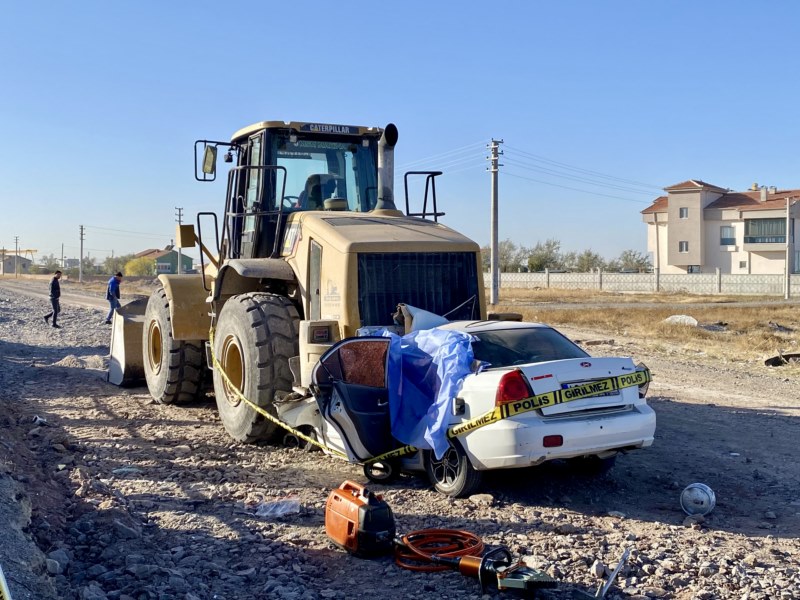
256, 335
173, 369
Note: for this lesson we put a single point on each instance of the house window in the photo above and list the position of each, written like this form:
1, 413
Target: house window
727, 236
765, 231
742, 264
683, 246
693, 269
683, 212
163, 268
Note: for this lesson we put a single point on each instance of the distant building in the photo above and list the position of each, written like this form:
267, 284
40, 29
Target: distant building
8, 262
699, 228
167, 260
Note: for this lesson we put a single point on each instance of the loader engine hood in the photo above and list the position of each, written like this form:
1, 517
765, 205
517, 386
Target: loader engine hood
365, 232
360, 266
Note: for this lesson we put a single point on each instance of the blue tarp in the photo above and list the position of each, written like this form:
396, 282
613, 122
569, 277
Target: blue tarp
425, 371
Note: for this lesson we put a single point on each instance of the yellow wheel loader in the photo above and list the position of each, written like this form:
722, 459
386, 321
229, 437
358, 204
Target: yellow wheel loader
310, 249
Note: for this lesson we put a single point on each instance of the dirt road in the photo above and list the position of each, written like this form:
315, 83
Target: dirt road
119, 498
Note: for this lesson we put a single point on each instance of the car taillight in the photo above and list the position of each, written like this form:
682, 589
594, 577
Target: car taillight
512, 387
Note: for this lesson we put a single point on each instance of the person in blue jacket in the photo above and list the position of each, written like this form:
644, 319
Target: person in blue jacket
55, 302
112, 295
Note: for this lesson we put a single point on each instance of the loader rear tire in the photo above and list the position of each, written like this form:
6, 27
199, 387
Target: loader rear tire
173, 369
256, 335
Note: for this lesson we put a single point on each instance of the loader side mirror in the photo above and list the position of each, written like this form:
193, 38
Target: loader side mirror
210, 160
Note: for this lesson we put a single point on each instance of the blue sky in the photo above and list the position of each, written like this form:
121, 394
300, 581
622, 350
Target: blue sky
100, 104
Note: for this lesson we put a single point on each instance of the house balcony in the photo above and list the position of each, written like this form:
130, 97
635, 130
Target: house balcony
764, 243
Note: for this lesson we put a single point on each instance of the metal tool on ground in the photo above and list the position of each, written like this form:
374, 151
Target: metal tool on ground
443, 549
604, 587
359, 521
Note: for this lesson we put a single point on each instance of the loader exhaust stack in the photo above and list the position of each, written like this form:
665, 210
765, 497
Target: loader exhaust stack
386, 168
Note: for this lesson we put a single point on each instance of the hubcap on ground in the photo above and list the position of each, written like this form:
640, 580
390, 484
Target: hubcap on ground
233, 366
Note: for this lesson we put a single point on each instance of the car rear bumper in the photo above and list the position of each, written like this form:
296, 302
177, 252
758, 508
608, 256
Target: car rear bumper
518, 442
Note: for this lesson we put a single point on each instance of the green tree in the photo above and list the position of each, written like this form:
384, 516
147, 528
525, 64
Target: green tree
588, 260
49, 263
510, 256
633, 260
545, 255
140, 266
113, 264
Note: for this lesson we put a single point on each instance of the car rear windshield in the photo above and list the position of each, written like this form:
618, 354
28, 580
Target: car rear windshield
507, 347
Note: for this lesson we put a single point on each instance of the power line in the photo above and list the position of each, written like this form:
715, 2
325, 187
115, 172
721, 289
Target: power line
460, 150
124, 231
588, 171
577, 189
547, 171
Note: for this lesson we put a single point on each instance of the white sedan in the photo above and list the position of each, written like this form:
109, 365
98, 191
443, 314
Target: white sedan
537, 397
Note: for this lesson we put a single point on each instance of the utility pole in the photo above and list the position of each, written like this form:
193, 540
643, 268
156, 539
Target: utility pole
80, 260
495, 259
179, 215
63, 265
16, 255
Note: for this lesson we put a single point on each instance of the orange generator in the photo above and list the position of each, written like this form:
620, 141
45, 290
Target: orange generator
359, 521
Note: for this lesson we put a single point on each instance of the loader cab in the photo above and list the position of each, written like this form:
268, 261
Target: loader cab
290, 168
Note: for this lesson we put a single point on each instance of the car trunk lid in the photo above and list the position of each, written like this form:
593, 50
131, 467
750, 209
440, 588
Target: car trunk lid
565, 374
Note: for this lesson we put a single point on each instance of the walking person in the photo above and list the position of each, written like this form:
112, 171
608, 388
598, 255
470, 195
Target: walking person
112, 295
55, 294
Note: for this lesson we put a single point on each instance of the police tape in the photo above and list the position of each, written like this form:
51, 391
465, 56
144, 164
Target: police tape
589, 389
270, 417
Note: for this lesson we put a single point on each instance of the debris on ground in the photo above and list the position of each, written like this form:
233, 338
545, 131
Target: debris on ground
120, 498
681, 320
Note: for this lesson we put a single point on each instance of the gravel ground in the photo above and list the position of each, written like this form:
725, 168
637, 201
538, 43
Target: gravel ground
114, 497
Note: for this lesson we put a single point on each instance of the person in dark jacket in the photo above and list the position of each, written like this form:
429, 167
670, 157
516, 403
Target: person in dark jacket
55, 294
112, 295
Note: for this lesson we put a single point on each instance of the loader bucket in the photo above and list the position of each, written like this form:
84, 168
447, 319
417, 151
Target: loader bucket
126, 364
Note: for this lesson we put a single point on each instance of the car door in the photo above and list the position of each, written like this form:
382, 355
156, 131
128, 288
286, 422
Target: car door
351, 389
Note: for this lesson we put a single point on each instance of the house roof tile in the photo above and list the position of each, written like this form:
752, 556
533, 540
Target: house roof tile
750, 200
696, 184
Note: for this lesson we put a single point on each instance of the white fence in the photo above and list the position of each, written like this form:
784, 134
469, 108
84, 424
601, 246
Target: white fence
693, 283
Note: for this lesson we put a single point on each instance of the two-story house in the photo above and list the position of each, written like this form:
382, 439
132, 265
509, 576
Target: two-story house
698, 228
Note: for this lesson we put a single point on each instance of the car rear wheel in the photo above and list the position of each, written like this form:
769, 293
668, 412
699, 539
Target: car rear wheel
453, 474
173, 369
255, 337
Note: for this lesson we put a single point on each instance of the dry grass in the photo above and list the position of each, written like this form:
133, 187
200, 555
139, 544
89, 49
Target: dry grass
746, 334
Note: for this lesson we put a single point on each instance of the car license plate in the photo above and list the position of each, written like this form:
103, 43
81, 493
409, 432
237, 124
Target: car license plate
565, 386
